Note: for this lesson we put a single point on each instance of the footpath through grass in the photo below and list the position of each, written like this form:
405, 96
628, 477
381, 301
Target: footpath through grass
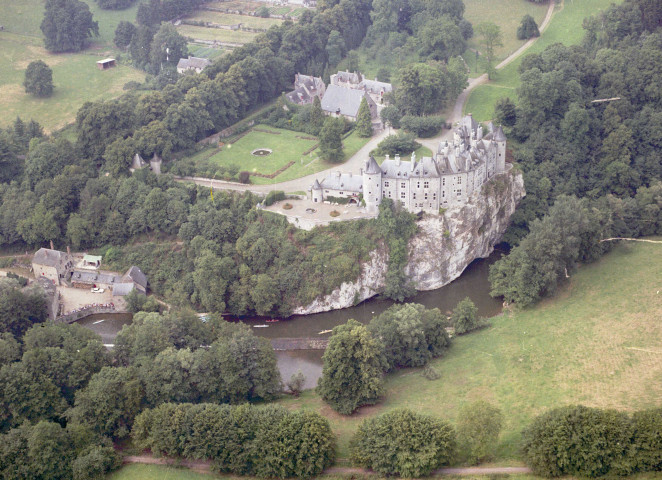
565, 27
75, 75
598, 343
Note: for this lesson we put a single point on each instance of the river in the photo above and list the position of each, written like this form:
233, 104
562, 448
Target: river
472, 283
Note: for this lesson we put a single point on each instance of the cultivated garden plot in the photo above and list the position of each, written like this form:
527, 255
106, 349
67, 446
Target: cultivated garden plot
75, 75
293, 154
216, 34
220, 18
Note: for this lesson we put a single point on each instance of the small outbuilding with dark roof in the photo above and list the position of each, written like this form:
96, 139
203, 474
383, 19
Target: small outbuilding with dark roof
136, 276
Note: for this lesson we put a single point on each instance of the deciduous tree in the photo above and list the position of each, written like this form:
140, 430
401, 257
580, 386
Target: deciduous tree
38, 79
67, 25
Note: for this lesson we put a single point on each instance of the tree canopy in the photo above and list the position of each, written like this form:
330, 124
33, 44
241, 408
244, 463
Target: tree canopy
38, 79
67, 25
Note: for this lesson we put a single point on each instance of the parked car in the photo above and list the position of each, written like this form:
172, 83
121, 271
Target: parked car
97, 290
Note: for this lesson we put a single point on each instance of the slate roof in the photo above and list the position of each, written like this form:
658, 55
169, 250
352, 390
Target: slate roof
347, 77
193, 62
92, 277
343, 181
425, 168
342, 100
375, 86
122, 289
316, 185
371, 166
50, 258
135, 275
499, 136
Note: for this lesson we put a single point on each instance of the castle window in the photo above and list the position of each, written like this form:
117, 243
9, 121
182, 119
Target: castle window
403, 185
459, 192
326, 191
426, 195
443, 181
426, 184
443, 193
418, 184
389, 194
386, 184
434, 196
459, 180
340, 193
402, 195
413, 195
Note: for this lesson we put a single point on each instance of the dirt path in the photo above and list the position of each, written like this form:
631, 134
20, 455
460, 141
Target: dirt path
203, 466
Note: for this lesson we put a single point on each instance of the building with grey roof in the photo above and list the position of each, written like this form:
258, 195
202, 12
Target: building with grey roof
450, 177
93, 278
123, 289
355, 81
52, 264
196, 64
345, 102
306, 88
136, 276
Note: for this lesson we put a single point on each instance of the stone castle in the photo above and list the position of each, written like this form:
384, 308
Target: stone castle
449, 178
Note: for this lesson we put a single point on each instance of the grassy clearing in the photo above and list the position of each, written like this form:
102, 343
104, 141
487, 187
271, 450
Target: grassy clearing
598, 343
158, 472
231, 19
565, 27
205, 51
505, 13
216, 34
75, 75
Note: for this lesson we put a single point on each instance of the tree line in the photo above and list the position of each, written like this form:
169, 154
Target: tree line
595, 166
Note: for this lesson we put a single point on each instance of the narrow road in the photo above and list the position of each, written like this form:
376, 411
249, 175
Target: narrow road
456, 112
358, 159
204, 466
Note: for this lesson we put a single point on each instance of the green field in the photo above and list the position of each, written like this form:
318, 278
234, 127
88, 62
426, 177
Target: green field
158, 472
215, 34
205, 51
598, 343
505, 13
230, 19
565, 27
75, 75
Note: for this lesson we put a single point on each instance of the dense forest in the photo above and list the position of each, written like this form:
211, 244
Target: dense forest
592, 170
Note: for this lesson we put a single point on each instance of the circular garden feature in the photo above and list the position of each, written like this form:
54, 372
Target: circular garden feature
262, 152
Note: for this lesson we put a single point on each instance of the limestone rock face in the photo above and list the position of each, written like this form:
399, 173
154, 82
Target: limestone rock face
443, 247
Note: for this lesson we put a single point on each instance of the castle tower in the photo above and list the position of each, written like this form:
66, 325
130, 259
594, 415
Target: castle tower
372, 185
316, 192
500, 139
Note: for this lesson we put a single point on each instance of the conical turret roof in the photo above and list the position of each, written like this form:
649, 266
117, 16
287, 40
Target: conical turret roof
499, 136
316, 185
372, 167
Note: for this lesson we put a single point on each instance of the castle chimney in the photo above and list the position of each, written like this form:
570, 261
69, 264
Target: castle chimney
387, 157
397, 160
52, 247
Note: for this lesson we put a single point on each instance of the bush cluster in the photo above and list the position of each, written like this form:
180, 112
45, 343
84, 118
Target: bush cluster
273, 197
591, 442
422, 126
403, 443
400, 144
267, 442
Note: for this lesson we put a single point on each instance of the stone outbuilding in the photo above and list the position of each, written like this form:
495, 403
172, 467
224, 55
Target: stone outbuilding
52, 264
195, 64
137, 277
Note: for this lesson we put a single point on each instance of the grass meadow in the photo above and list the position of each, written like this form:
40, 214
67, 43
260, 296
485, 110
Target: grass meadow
75, 75
565, 27
597, 343
231, 19
216, 34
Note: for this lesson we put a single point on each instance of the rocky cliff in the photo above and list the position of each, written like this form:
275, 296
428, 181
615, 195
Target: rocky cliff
443, 247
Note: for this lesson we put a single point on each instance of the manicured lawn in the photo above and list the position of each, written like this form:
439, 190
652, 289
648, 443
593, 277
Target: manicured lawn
218, 34
231, 19
75, 75
205, 51
565, 27
598, 343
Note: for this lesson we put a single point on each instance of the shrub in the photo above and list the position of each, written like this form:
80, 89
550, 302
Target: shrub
268, 442
273, 197
262, 12
431, 373
465, 317
335, 213
400, 144
295, 385
244, 177
578, 441
96, 463
287, 206
422, 126
478, 430
403, 443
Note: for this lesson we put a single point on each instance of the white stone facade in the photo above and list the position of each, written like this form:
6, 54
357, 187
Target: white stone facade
449, 178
